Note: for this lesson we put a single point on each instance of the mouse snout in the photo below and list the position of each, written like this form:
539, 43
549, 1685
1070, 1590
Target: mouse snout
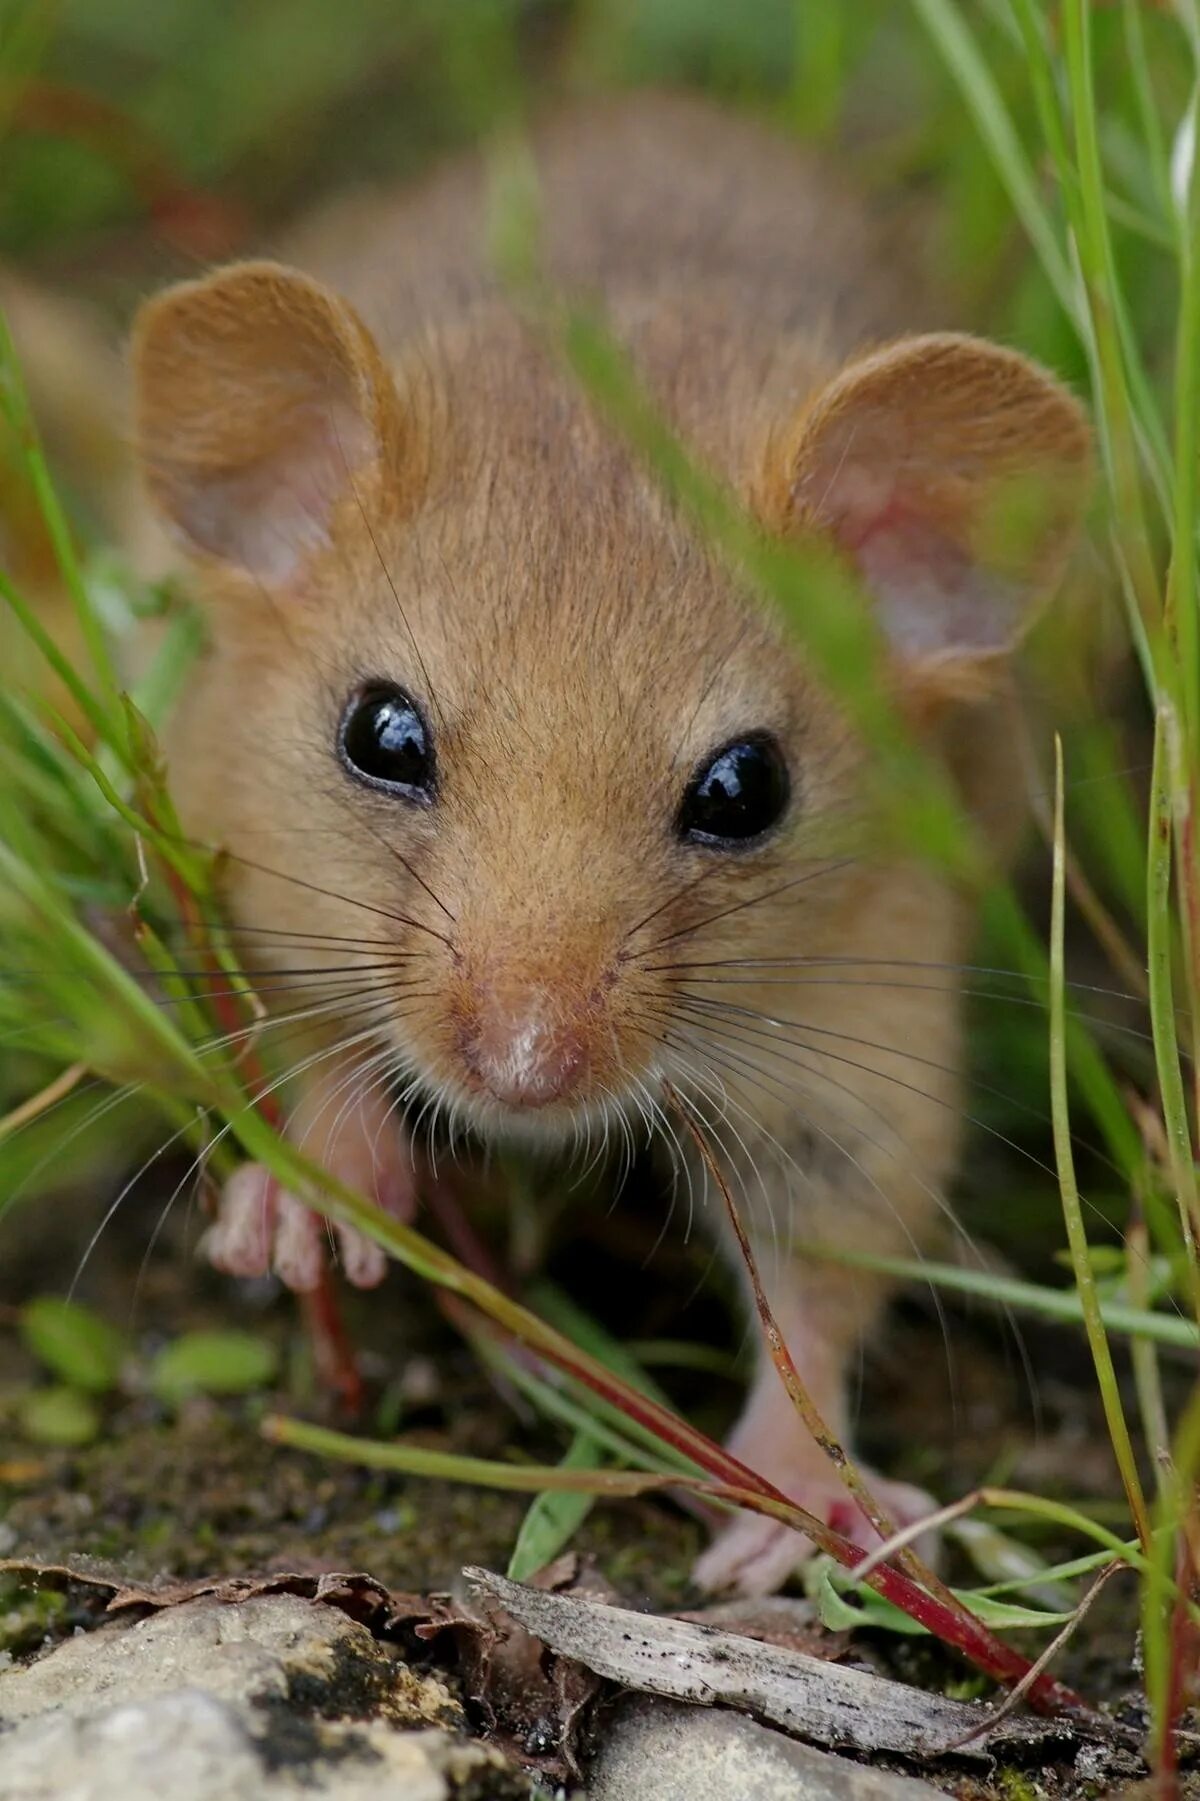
518, 1048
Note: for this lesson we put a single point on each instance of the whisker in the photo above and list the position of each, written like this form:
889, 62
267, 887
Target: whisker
127, 1188
332, 894
673, 900
923, 1094
395, 592
811, 962
784, 1031
416, 876
229, 933
755, 900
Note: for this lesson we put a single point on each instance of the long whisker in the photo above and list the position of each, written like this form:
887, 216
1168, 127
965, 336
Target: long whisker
735, 1061
773, 1032
395, 592
923, 1094
673, 900
332, 894
754, 900
1097, 1021
415, 874
841, 962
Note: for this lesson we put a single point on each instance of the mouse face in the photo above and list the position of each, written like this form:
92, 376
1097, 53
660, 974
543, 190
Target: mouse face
482, 716
526, 797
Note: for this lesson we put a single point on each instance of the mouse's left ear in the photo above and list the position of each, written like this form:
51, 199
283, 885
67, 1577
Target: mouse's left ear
262, 405
954, 475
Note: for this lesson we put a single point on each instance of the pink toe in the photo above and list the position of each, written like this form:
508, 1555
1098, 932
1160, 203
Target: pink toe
239, 1240
364, 1264
299, 1245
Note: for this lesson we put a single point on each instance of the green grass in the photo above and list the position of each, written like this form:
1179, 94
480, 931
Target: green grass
1067, 222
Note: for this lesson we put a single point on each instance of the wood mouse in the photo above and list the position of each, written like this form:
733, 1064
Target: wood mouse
530, 807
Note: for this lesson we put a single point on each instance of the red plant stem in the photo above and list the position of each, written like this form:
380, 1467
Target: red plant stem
1184, 1653
440, 1194
798, 1394
332, 1347
959, 1630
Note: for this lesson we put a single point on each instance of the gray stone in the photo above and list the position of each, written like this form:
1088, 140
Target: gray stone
675, 1752
273, 1699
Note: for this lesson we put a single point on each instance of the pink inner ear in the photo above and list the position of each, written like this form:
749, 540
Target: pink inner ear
932, 595
270, 515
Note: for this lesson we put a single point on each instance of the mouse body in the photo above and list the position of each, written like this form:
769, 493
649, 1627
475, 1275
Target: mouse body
535, 819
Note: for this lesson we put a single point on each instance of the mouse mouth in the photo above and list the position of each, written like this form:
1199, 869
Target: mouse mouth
560, 1110
451, 1120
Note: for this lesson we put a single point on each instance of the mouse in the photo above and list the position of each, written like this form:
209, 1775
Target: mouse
536, 820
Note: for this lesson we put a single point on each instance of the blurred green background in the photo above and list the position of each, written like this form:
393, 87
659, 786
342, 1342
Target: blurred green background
137, 136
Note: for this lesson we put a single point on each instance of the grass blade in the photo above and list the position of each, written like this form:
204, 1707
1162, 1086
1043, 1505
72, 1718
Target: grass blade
1085, 1281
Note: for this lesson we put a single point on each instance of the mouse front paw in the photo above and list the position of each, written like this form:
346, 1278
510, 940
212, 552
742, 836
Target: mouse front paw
260, 1228
754, 1555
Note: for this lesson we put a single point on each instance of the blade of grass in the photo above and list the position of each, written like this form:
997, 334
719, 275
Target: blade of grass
944, 23
1098, 268
1142, 1354
554, 1517
1162, 1000
14, 405
1085, 1281
1028, 1297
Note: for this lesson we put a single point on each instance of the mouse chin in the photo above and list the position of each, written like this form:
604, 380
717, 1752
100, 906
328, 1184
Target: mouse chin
552, 1125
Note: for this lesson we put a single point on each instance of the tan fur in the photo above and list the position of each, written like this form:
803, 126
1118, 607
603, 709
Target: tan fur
492, 548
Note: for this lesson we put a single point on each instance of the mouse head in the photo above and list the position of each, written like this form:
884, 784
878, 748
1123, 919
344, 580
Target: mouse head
505, 763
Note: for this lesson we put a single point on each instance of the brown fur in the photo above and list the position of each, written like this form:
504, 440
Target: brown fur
447, 512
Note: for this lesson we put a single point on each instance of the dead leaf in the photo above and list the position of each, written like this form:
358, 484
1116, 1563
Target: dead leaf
531, 1702
358, 1595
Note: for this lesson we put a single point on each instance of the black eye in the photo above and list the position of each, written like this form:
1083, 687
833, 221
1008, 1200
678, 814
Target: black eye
385, 740
740, 793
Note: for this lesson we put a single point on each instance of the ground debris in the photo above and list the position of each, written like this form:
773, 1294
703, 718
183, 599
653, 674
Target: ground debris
353, 1593
538, 1669
808, 1697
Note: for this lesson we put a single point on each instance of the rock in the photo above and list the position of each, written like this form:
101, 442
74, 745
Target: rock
272, 1699
676, 1752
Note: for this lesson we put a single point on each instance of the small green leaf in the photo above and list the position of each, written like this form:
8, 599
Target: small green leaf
212, 1363
841, 1613
58, 1416
73, 1343
554, 1516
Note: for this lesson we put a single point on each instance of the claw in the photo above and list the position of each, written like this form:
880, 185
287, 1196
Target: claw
261, 1227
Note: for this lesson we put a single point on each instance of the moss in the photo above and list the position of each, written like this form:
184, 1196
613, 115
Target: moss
1017, 1785
28, 1617
204, 1495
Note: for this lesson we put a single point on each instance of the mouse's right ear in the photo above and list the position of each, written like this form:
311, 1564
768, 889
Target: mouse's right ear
262, 406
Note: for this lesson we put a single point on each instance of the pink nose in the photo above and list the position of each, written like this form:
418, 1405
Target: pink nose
522, 1058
